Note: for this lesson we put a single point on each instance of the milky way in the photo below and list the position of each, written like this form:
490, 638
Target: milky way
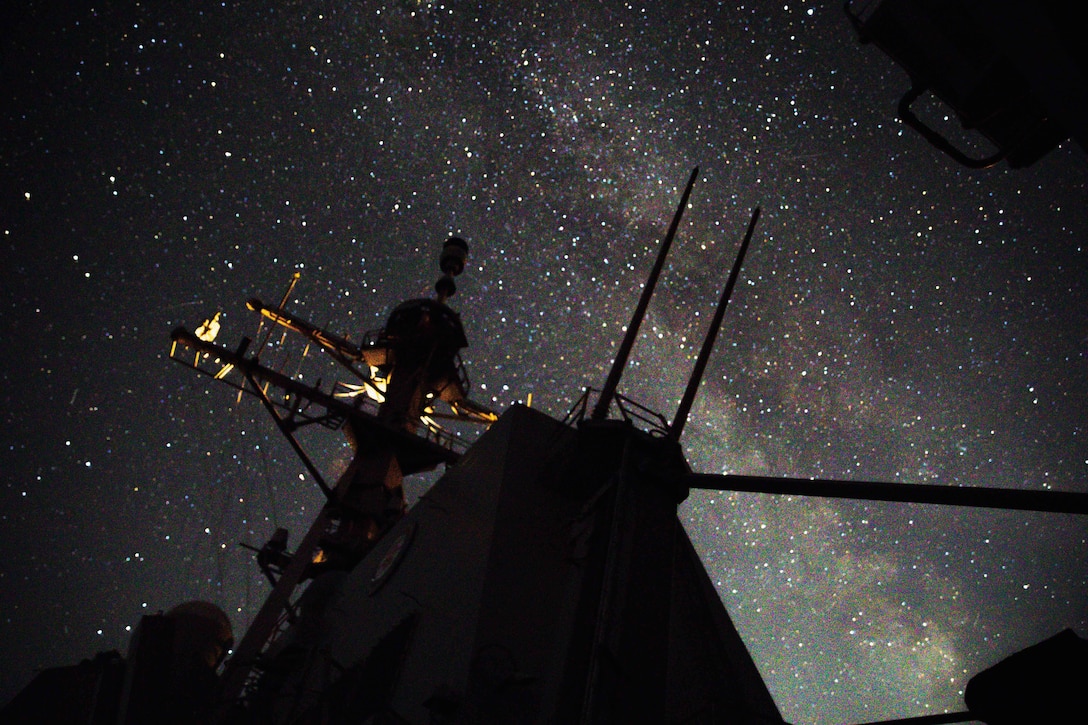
898, 318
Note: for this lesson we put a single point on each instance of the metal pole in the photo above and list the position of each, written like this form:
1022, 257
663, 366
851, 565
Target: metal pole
282, 425
677, 427
975, 496
600, 410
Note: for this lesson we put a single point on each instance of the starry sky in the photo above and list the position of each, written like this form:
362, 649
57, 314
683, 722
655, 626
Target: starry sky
899, 318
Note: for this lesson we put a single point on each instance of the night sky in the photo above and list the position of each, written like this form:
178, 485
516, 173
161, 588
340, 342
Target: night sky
899, 318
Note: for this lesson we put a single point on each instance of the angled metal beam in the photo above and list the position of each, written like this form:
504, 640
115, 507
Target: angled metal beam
975, 496
600, 410
677, 427
245, 366
239, 667
290, 436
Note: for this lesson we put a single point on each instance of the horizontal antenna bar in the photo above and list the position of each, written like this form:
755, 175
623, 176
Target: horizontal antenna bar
998, 498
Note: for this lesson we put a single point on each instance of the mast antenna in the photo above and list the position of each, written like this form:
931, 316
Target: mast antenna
692, 389
600, 410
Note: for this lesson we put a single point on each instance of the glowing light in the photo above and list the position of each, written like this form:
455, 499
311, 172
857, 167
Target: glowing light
209, 329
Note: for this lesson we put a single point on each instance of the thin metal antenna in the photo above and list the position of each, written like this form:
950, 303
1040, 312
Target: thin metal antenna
283, 304
677, 426
600, 410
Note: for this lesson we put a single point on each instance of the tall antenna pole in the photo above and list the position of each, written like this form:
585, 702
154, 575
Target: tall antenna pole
677, 426
283, 304
600, 411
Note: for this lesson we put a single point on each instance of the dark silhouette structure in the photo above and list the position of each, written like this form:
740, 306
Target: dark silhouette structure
1015, 71
545, 578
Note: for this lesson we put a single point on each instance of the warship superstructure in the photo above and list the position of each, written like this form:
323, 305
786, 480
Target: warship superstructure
544, 578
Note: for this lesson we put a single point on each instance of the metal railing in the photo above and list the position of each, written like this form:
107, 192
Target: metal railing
630, 411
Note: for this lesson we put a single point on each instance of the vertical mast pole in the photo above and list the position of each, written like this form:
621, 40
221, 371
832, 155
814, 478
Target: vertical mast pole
600, 410
692, 389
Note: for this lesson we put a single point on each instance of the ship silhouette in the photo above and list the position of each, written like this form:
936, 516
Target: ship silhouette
545, 576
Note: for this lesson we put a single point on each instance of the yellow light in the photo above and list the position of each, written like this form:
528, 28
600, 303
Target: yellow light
351, 390
209, 329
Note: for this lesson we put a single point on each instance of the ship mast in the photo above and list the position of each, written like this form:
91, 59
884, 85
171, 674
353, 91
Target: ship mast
414, 361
